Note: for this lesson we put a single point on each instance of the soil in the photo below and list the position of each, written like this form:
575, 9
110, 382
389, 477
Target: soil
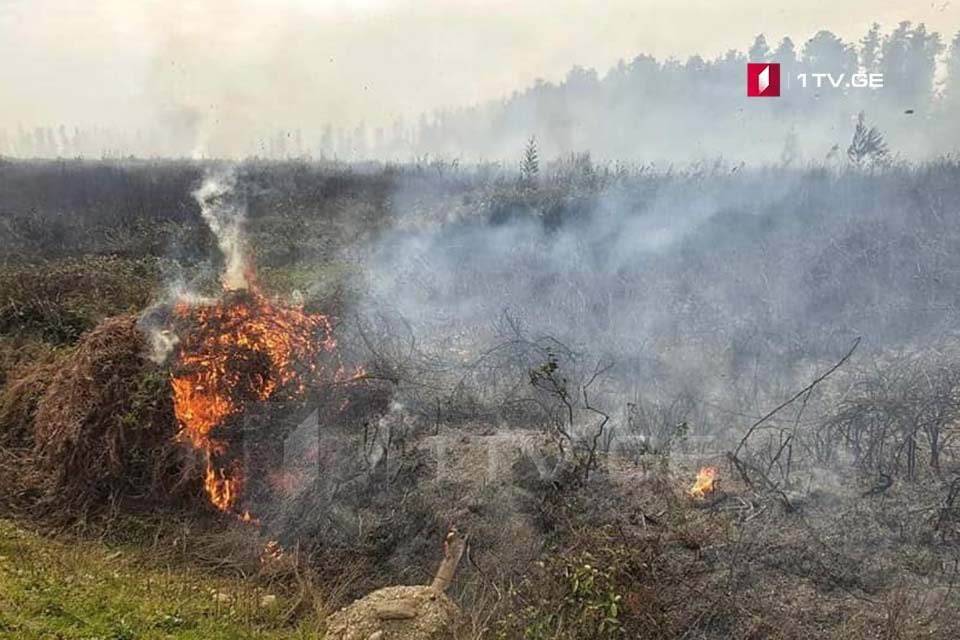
396, 613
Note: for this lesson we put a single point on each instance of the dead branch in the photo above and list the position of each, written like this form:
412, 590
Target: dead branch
799, 394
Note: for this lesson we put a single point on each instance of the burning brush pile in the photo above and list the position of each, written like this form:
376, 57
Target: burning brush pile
110, 420
234, 352
106, 422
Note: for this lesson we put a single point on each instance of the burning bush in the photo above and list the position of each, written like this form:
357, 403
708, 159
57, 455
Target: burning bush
239, 350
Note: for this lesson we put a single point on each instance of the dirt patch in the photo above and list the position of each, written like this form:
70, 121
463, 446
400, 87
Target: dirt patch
396, 613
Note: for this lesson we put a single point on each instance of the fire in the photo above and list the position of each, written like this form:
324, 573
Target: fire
706, 482
223, 486
343, 375
272, 552
236, 351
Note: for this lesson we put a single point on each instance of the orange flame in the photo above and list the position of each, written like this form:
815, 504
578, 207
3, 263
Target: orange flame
342, 375
236, 351
706, 482
223, 485
272, 551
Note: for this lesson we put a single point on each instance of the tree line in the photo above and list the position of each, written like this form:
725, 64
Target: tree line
644, 109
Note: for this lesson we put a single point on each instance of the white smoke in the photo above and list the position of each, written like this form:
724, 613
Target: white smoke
225, 217
162, 343
153, 321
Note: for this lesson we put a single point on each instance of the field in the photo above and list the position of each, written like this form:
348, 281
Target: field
545, 359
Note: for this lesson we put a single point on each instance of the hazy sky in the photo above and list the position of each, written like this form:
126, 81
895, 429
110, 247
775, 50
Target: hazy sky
248, 65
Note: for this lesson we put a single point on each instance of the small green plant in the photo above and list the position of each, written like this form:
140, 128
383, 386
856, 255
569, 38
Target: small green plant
584, 606
593, 600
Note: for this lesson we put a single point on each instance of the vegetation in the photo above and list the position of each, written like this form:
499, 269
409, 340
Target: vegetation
867, 143
589, 608
530, 166
638, 320
78, 590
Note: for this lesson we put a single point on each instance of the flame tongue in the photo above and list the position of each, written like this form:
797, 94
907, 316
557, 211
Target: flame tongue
223, 484
234, 352
706, 482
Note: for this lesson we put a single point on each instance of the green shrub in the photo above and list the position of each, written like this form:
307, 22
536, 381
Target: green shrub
580, 601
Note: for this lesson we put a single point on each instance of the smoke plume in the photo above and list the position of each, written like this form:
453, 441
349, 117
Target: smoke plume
225, 217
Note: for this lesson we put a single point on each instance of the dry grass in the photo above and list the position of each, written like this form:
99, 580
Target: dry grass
27, 378
101, 430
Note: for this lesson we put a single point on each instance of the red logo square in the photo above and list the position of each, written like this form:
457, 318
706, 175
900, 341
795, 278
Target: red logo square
763, 79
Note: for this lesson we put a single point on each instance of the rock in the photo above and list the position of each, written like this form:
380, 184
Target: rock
268, 601
400, 610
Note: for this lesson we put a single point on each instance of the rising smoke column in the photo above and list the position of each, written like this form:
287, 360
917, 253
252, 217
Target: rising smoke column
225, 217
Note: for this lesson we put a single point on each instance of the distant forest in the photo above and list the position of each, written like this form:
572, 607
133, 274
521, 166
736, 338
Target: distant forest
642, 110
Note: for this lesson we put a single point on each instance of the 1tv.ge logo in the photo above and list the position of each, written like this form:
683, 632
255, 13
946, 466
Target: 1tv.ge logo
763, 80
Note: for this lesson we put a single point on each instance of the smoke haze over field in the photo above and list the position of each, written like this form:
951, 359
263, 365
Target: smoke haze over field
476, 307
267, 78
412, 271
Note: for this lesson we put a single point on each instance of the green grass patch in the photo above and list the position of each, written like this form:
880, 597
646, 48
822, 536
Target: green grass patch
51, 588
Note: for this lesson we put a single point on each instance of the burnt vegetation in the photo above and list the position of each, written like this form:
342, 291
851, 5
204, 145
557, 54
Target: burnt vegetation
549, 352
